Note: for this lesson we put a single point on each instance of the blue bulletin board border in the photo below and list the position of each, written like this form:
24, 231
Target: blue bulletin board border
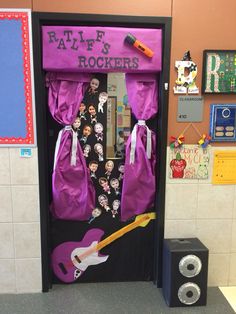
223, 122
17, 110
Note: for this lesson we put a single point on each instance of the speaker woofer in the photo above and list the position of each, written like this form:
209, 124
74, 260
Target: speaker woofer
190, 266
189, 293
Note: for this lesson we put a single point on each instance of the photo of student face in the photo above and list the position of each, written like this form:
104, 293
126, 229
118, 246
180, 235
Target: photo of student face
105, 185
93, 114
120, 145
99, 151
93, 167
87, 130
98, 129
76, 125
102, 99
82, 111
115, 185
86, 150
121, 169
103, 201
96, 212
115, 207
109, 166
94, 84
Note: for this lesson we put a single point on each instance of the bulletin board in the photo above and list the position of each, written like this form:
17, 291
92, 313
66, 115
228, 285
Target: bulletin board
17, 127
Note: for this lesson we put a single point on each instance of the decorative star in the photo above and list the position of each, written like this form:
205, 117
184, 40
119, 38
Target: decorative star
193, 67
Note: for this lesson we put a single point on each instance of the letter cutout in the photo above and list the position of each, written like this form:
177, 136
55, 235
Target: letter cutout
186, 83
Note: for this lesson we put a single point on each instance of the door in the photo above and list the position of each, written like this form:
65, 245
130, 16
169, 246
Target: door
136, 255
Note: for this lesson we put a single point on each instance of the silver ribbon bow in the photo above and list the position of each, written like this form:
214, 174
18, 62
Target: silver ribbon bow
134, 141
73, 147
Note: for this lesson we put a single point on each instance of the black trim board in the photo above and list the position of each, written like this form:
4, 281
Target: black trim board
39, 19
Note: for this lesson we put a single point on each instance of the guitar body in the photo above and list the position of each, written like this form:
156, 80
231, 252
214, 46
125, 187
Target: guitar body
67, 261
71, 259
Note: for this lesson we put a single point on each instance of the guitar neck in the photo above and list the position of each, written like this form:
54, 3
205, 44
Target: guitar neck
116, 235
120, 233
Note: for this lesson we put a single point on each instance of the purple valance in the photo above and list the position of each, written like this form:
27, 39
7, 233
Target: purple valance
101, 49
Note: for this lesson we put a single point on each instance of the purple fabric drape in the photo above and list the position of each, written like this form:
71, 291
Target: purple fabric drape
139, 183
72, 187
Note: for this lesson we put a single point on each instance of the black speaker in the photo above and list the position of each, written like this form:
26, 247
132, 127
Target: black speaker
185, 268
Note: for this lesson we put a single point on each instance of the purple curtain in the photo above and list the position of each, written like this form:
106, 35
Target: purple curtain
139, 183
72, 187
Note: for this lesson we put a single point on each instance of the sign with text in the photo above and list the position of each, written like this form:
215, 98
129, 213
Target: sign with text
190, 109
101, 49
189, 162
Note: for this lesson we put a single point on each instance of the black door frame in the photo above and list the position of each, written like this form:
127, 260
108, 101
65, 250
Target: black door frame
43, 18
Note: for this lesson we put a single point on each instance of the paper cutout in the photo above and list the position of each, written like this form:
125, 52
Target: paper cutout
189, 162
93, 167
71, 259
176, 141
96, 212
186, 83
133, 41
204, 140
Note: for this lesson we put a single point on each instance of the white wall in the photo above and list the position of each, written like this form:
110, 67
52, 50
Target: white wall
196, 208
20, 248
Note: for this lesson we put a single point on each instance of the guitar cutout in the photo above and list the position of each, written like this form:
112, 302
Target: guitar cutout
71, 259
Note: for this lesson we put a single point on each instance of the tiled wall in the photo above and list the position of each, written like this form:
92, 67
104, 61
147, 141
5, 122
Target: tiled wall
196, 208
193, 209
20, 262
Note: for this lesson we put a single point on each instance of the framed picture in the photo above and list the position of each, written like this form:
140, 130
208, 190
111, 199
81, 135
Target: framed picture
223, 123
219, 72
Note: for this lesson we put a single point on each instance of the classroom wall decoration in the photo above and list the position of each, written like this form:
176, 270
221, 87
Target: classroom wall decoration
223, 122
186, 83
189, 162
190, 108
102, 49
224, 167
99, 229
219, 72
17, 127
